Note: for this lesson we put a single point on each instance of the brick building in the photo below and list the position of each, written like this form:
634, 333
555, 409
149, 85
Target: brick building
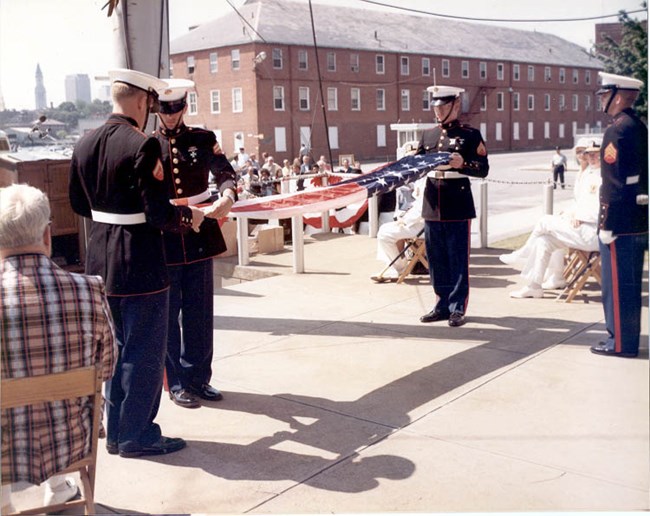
257, 80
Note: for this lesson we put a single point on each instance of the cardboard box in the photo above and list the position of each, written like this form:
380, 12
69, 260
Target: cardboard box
270, 239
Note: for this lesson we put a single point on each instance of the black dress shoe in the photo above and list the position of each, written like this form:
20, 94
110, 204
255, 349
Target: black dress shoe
184, 398
433, 316
207, 392
163, 446
111, 448
456, 319
602, 349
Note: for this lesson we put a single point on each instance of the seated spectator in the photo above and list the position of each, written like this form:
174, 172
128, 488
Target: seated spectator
51, 320
286, 168
542, 254
391, 236
254, 162
272, 166
357, 168
324, 165
346, 168
266, 183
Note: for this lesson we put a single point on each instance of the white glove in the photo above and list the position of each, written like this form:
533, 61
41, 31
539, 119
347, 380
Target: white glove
606, 236
197, 218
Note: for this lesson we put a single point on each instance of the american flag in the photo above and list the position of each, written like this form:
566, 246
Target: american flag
381, 180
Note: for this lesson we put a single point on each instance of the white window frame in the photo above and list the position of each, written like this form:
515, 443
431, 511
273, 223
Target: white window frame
446, 68
214, 62
354, 62
531, 130
516, 72
380, 64
498, 131
464, 69
562, 102
426, 66
355, 99
575, 102
331, 61
576, 76
405, 99
483, 130
381, 135
547, 101
484, 101
515, 131
303, 98
547, 74
380, 99
516, 101
237, 100
531, 102
278, 98
531, 73
278, 61
333, 133
500, 101
404, 66
235, 60
280, 139
501, 71
426, 101
560, 130
332, 99
562, 75
587, 76
192, 104
215, 102
587, 102
191, 64
303, 60
547, 130
482, 70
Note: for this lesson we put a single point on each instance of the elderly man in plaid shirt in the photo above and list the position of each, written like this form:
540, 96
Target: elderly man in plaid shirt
51, 320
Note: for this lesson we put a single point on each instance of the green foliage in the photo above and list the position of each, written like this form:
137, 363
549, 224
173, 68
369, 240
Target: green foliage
629, 56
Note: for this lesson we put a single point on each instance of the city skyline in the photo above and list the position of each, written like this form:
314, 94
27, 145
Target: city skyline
86, 48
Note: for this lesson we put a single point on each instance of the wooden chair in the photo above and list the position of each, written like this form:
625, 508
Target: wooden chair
419, 254
83, 381
580, 268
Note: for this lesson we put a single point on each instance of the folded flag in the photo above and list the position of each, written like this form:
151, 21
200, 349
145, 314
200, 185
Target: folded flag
381, 180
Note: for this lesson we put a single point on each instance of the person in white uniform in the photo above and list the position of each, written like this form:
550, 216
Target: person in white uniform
542, 255
391, 236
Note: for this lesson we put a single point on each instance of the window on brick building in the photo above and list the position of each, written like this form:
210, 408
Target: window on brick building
215, 101
562, 74
426, 101
587, 102
547, 130
500, 105
381, 136
381, 99
516, 72
482, 70
192, 105
575, 76
280, 139
483, 130
531, 102
561, 102
587, 76
426, 66
190, 64
560, 131
355, 99
446, 70
332, 99
406, 100
234, 59
333, 133
404, 66
331, 61
500, 71
515, 101
547, 102
379, 64
354, 62
574, 102
515, 131
214, 63
547, 74
531, 130
464, 69
277, 58
303, 98
237, 100
498, 131
278, 98
483, 101
531, 73
302, 60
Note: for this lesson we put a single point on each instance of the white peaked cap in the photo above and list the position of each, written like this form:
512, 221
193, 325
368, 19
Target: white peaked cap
611, 81
174, 89
141, 80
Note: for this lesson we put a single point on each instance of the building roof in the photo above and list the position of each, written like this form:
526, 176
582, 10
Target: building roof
288, 22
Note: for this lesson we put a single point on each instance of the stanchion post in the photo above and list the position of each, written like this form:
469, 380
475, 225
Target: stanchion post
297, 238
548, 198
243, 254
373, 216
483, 221
325, 216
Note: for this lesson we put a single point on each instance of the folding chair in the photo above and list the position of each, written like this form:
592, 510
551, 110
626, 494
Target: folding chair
581, 267
419, 251
83, 381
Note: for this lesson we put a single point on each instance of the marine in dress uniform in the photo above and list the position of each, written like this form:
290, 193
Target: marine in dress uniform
448, 206
623, 218
189, 154
116, 179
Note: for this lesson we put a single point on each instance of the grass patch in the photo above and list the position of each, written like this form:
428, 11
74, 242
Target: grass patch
511, 243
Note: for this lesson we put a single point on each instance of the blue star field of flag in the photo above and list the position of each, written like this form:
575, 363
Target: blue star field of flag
406, 170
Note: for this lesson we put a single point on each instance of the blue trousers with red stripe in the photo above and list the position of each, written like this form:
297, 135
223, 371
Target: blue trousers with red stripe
622, 277
447, 244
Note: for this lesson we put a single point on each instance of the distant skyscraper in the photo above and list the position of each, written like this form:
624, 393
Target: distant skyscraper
39, 92
77, 87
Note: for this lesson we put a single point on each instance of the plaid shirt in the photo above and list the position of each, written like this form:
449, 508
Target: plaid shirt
50, 321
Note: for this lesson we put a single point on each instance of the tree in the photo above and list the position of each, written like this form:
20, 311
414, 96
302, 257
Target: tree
629, 56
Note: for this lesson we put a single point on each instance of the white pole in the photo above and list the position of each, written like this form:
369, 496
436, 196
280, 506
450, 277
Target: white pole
297, 238
373, 216
483, 221
242, 241
547, 190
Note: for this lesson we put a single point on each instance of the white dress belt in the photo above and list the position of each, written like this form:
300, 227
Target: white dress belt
632, 180
445, 174
192, 200
125, 219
